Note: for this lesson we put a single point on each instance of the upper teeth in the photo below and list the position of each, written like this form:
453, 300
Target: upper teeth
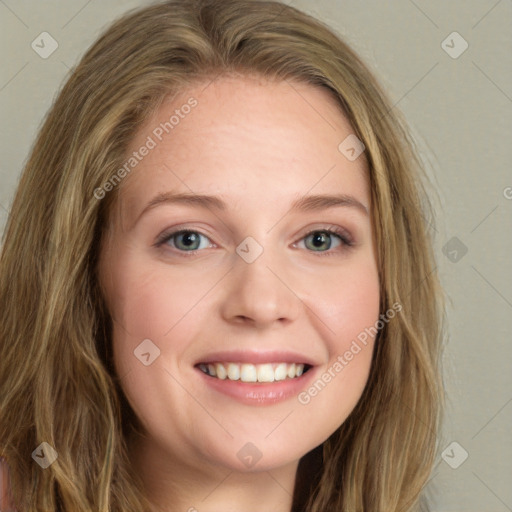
268, 372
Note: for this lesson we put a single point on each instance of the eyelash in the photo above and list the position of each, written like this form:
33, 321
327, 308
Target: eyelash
342, 234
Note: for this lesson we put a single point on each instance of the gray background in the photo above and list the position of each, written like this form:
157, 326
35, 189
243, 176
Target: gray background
460, 110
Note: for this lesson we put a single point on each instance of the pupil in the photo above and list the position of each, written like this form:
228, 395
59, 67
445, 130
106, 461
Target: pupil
319, 239
189, 239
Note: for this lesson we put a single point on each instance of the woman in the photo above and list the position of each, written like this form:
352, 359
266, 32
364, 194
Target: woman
258, 371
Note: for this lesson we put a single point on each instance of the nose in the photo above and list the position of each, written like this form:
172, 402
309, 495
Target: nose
261, 293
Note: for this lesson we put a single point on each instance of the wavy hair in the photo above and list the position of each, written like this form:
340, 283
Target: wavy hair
57, 382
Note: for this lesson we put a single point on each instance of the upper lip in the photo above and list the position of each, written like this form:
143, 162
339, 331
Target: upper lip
256, 357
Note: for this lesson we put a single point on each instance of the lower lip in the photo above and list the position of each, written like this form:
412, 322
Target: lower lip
265, 393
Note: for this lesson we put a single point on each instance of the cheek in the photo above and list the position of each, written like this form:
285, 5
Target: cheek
149, 299
357, 306
348, 305
152, 312
147, 304
347, 301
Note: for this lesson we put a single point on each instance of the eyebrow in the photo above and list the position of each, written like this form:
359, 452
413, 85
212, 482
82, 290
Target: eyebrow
306, 203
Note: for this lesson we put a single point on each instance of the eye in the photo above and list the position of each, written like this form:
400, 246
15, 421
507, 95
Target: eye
184, 240
321, 240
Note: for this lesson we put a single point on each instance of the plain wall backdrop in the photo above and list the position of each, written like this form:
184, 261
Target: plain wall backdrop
458, 102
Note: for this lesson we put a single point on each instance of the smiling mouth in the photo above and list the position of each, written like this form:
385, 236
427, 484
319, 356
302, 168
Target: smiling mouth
246, 372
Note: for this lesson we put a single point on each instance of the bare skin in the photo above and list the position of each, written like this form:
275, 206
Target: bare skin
258, 146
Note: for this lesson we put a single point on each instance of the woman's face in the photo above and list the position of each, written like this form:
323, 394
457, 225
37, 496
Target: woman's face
252, 171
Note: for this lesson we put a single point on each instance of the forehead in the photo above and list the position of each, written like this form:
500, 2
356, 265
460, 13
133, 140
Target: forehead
248, 139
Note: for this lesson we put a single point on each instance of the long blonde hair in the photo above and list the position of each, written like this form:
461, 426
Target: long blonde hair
57, 383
